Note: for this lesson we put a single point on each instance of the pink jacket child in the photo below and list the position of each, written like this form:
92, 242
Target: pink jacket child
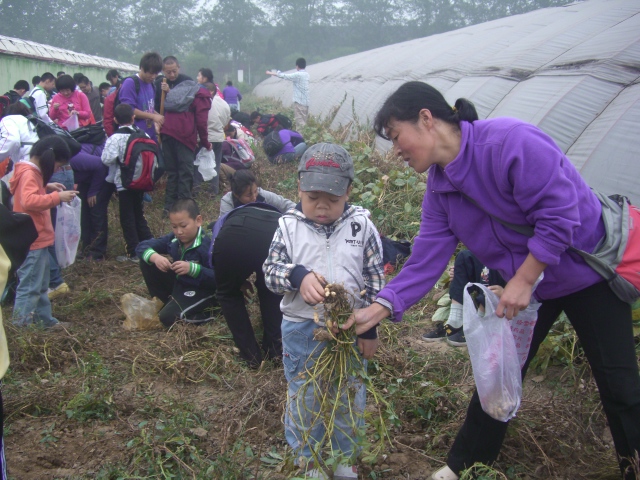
61, 108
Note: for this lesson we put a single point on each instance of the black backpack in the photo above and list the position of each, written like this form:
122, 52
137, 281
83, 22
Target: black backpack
140, 162
44, 130
243, 118
272, 144
93, 134
284, 121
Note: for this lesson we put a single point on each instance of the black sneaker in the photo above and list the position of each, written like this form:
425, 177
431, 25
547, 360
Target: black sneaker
440, 332
457, 339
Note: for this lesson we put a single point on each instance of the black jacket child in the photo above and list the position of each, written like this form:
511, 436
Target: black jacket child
188, 297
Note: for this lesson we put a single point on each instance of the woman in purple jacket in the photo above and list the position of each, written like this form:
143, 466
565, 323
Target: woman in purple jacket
515, 172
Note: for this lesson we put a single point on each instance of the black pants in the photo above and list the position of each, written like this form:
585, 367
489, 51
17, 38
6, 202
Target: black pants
467, 268
94, 222
214, 183
603, 325
132, 220
240, 249
182, 302
178, 163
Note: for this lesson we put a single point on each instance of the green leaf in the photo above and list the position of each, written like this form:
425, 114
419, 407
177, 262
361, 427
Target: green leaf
407, 207
441, 315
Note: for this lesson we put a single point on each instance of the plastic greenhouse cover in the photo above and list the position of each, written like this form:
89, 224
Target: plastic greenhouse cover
573, 71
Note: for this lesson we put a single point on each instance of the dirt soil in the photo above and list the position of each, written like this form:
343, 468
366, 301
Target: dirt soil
93, 400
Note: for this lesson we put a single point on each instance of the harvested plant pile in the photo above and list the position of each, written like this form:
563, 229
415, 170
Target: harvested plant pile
336, 376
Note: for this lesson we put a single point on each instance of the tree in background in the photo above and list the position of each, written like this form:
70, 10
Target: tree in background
253, 34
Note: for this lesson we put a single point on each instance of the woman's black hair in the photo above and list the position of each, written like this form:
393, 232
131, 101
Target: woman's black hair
206, 73
65, 81
49, 150
17, 108
240, 181
406, 103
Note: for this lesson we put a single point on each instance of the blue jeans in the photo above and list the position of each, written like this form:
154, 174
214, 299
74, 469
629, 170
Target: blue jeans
64, 177
303, 427
32, 303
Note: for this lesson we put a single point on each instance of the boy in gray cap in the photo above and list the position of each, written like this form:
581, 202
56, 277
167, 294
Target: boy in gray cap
323, 240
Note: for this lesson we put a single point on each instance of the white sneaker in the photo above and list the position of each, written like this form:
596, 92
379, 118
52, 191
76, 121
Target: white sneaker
445, 473
345, 471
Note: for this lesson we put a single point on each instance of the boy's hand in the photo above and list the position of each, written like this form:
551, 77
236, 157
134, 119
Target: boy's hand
497, 289
311, 289
157, 118
67, 195
163, 263
181, 267
368, 347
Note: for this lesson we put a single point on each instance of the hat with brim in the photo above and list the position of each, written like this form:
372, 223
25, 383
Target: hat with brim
326, 167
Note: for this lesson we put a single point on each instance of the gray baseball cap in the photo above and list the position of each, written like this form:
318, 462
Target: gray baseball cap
326, 167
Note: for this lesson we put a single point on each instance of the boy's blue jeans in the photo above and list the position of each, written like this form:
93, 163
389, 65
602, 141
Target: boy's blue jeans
32, 303
301, 427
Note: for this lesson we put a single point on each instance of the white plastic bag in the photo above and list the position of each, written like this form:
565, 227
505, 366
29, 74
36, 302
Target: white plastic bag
67, 232
495, 359
71, 123
206, 163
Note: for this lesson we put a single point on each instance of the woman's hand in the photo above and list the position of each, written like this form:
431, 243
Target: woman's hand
163, 263
366, 318
181, 267
368, 347
91, 201
516, 297
67, 195
517, 293
164, 86
55, 187
73, 112
311, 289
56, 106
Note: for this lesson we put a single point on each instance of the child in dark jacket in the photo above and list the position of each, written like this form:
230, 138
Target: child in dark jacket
185, 283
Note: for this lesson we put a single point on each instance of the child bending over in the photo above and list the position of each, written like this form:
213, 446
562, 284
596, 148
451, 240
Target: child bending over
32, 305
185, 283
323, 237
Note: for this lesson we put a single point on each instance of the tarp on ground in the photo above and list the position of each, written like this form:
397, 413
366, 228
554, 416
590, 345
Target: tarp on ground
574, 71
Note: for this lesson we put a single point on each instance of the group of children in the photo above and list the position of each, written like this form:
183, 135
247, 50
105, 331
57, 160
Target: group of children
191, 273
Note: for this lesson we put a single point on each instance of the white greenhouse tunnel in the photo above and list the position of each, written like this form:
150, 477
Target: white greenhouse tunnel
574, 71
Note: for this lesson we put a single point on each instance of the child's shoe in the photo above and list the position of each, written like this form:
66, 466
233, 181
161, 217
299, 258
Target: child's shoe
445, 473
457, 339
345, 471
60, 290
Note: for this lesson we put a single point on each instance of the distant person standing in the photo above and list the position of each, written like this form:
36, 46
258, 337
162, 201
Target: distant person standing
300, 81
93, 96
232, 96
113, 77
40, 95
19, 89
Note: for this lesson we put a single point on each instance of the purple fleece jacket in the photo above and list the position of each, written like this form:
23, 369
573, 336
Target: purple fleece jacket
517, 173
87, 167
